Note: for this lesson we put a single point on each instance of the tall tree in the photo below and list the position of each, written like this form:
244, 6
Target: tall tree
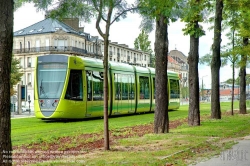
244, 33
6, 42
230, 16
162, 12
142, 42
192, 16
242, 75
107, 11
216, 62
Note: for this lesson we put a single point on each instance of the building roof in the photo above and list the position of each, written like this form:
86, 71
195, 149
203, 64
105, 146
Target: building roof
228, 92
48, 25
171, 60
179, 56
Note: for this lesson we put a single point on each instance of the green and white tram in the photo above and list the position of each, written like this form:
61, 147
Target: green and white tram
71, 87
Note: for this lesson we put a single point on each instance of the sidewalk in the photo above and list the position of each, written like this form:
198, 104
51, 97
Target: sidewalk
238, 155
25, 114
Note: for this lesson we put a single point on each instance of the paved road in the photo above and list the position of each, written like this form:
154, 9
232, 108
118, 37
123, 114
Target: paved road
238, 155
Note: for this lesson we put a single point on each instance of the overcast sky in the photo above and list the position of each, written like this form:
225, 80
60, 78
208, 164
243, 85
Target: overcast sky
125, 31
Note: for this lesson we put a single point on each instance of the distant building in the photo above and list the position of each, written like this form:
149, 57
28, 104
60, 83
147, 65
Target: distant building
177, 62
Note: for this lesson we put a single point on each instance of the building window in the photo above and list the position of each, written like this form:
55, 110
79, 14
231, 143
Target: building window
29, 79
21, 62
21, 46
28, 45
29, 62
47, 44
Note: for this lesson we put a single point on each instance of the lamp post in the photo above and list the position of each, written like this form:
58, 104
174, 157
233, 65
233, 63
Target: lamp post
202, 87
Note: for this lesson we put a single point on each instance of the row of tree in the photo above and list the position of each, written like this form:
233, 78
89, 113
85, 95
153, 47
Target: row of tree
155, 12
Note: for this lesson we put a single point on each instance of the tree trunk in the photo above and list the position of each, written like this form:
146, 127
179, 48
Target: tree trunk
216, 63
161, 121
193, 60
243, 80
232, 101
105, 85
6, 42
105, 88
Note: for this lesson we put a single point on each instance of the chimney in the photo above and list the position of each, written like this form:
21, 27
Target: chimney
72, 22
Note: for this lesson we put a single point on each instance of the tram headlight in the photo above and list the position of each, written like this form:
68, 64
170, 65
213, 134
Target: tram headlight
42, 103
55, 103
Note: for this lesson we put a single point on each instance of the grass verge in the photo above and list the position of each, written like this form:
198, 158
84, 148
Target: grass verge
181, 146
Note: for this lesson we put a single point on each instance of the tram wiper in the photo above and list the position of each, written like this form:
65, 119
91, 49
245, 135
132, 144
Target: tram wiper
42, 90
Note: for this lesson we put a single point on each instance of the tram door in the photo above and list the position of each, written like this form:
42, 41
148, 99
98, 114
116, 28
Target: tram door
144, 95
124, 91
95, 94
74, 93
174, 93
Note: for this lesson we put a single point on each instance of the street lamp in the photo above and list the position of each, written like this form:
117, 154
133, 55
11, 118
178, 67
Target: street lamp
202, 87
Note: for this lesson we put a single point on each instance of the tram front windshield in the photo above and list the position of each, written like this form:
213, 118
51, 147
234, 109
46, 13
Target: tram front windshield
50, 79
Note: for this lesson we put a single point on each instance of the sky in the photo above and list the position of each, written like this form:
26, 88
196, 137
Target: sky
126, 30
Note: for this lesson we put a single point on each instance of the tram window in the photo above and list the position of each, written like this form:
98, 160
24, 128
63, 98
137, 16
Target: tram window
97, 80
124, 86
174, 89
131, 85
144, 87
75, 88
117, 87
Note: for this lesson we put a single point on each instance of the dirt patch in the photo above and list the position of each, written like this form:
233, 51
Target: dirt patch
78, 145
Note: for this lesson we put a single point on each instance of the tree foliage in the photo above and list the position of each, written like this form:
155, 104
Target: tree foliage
15, 74
142, 42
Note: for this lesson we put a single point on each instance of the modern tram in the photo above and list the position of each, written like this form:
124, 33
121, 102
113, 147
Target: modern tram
71, 87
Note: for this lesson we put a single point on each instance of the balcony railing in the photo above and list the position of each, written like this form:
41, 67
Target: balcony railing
57, 49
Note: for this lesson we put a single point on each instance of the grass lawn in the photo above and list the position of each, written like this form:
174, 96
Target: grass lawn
181, 146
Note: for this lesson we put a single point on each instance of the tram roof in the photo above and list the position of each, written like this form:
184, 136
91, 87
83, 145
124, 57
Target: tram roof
121, 67
91, 62
170, 73
142, 69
